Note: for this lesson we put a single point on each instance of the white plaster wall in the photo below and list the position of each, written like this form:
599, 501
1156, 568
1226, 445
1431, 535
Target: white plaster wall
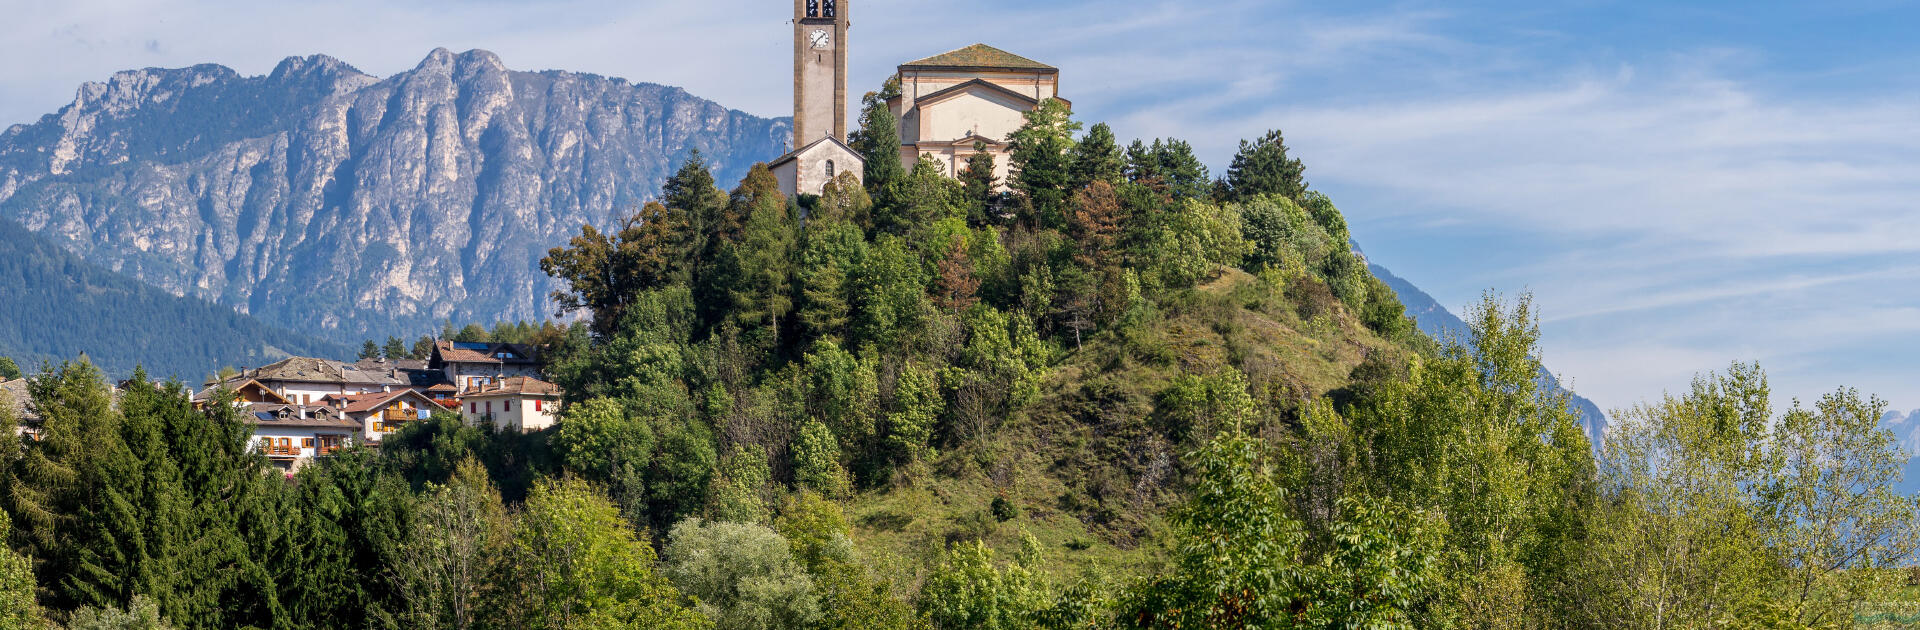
977, 111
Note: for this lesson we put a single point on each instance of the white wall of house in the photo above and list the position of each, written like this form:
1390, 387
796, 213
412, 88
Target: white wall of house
288, 445
311, 393
471, 375
509, 412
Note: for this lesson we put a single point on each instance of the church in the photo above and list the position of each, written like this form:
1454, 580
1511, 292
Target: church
949, 104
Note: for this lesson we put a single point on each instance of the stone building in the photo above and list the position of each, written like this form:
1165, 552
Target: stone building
819, 100
975, 96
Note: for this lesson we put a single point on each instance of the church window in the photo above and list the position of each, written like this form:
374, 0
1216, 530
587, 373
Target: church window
830, 7
829, 169
813, 8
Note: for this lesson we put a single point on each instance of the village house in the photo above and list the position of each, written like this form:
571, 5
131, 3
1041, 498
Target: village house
379, 413
292, 435
469, 365
519, 404
306, 380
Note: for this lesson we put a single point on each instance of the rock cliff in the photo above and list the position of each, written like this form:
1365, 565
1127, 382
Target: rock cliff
325, 200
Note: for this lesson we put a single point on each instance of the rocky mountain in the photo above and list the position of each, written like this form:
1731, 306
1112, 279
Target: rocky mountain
325, 200
1438, 322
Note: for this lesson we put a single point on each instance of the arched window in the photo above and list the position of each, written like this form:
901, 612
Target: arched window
813, 8
830, 8
829, 169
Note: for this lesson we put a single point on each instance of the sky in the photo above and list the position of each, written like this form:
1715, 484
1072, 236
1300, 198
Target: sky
1677, 185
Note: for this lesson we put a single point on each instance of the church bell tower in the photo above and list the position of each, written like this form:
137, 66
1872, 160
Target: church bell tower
819, 70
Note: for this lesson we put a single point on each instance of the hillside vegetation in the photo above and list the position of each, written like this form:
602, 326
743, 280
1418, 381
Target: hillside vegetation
1122, 395
58, 306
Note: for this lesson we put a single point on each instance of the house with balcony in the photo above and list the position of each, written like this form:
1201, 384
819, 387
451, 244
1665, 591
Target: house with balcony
520, 404
380, 413
308, 381
291, 436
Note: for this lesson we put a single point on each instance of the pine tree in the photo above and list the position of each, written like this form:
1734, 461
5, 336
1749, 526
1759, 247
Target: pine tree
1040, 155
8, 370
1097, 158
422, 348
982, 187
369, 350
1263, 168
395, 349
878, 140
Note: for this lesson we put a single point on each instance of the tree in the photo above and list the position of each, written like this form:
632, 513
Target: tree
369, 350
459, 532
955, 285
1095, 224
1043, 168
394, 349
762, 296
1168, 166
981, 185
8, 370
422, 348
18, 610
816, 460
817, 531
970, 591
604, 271
878, 139
843, 200
140, 614
918, 403
743, 575
1097, 158
1832, 509
574, 563
1263, 168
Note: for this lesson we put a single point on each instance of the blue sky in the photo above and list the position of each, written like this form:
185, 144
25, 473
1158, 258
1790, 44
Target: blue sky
1680, 185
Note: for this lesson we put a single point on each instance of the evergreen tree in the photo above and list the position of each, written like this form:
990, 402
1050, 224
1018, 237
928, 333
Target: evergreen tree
395, 349
8, 371
369, 350
762, 297
981, 186
1263, 168
422, 348
1097, 158
878, 141
18, 610
955, 284
1041, 158
574, 563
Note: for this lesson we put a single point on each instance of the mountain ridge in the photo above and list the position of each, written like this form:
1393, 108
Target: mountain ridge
320, 198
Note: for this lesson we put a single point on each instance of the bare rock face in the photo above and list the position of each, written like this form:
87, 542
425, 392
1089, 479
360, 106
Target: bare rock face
332, 202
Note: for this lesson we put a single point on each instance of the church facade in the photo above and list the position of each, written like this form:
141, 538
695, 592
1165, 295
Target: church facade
977, 96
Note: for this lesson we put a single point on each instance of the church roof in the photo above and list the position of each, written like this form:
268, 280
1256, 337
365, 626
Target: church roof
979, 56
795, 154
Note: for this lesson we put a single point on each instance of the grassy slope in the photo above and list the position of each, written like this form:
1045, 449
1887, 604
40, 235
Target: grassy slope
1089, 473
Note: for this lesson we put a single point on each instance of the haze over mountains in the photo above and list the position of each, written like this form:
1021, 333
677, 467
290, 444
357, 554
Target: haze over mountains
321, 199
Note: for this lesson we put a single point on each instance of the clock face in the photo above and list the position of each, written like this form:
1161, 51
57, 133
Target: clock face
821, 39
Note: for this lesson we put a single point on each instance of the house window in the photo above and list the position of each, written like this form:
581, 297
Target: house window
829, 7
379, 427
473, 407
285, 446
829, 169
506, 405
537, 406
306, 442
489, 406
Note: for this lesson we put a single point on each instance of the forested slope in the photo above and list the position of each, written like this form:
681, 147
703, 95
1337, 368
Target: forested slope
57, 306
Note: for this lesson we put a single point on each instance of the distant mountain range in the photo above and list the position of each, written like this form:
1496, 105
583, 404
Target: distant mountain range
56, 306
321, 199
1437, 321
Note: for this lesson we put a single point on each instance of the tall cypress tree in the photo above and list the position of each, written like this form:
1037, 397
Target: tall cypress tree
878, 141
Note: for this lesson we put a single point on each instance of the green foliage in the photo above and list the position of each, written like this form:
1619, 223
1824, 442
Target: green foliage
878, 138
460, 532
1097, 158
1193, 244
8, 370
1194, 407
980, 187
739, 492
1263, 168
743, 575
573, 563
918, 405
816, 460
140, 614
969, 590
1170, 167
18, 610
1043, 163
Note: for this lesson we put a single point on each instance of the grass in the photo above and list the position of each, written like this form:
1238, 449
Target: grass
1089, 476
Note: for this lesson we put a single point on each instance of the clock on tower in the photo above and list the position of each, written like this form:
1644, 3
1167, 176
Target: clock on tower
819, 70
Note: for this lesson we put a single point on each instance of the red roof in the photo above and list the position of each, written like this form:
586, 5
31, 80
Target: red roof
517, 386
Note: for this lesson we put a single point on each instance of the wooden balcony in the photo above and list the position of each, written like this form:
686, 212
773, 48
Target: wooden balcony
396, 414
